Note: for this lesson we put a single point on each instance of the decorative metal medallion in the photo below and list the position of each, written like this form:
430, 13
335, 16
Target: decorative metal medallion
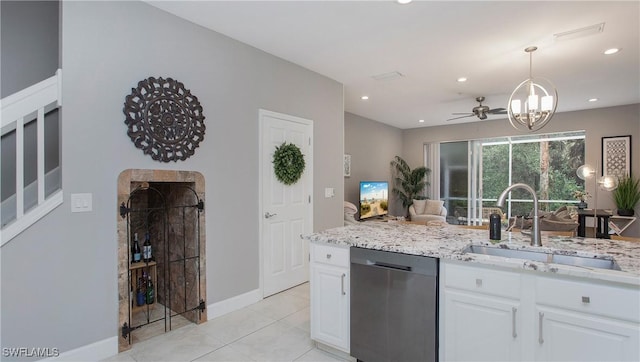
165, 120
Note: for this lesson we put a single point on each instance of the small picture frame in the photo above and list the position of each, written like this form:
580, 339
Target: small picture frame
616, 155
347, 166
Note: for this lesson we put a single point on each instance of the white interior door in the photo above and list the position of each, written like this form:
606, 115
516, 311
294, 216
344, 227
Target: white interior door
286, 211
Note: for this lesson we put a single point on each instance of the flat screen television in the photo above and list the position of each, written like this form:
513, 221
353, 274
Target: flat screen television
374, 199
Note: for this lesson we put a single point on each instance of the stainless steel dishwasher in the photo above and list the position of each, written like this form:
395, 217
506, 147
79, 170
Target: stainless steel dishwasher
394, 306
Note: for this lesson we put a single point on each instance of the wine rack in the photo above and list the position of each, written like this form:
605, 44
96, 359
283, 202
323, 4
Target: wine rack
136, 271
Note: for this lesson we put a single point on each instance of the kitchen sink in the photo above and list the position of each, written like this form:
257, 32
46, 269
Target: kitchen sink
574, 260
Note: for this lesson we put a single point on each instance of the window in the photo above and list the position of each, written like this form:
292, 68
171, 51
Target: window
545, 162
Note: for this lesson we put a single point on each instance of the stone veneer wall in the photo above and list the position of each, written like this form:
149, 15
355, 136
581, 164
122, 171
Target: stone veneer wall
182, 259
128, 181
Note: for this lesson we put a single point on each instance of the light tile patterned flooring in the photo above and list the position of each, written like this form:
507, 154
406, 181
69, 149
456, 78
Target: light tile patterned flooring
274, 329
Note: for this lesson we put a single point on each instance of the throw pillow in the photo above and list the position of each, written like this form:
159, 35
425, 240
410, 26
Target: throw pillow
433, 207
419, 206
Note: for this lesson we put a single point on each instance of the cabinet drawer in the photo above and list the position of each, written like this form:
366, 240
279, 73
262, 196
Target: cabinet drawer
482, 280
612, 301
330, 254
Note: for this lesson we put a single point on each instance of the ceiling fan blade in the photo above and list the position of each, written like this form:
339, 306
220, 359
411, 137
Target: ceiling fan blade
467, 113
451, 119
497, 111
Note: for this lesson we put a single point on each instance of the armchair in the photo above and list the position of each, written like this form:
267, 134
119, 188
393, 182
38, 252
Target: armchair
424, 211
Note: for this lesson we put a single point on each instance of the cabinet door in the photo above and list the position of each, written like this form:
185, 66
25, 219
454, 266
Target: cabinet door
480, 328
565, 335
330, 306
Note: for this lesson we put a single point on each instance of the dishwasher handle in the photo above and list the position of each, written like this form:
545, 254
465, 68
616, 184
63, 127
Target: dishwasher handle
383, 265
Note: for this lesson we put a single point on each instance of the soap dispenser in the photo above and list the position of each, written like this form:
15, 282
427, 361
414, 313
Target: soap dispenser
495, 227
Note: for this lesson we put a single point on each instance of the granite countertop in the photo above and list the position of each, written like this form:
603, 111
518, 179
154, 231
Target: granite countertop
447, 242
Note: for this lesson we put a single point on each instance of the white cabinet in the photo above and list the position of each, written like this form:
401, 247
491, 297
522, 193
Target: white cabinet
481, 314
329, 287
580, 321
494, 314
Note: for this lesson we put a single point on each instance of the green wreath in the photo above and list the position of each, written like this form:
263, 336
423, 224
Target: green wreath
288, 163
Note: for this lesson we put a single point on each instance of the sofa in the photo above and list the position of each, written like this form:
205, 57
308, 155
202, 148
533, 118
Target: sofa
425, 211
562, 219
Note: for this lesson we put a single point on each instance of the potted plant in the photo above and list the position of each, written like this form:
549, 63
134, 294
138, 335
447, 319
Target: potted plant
408, 184
581, 196
627, 195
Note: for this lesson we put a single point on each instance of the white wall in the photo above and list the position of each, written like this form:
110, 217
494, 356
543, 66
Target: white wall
59, 285
598, 123
372, 145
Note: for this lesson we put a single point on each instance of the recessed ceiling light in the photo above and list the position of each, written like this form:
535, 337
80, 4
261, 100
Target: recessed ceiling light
462, 79
421, 120
611, 51
364, 98
593, 99
403, 2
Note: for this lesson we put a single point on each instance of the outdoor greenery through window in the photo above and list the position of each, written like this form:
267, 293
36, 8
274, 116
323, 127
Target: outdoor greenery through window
473, 173
547, 163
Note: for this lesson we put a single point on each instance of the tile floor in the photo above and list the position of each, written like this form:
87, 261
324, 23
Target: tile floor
274, 329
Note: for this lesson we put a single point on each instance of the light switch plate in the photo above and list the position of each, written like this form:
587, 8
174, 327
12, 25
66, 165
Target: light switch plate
329, 192
81, 202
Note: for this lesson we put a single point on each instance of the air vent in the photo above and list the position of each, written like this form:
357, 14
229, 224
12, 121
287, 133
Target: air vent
579, 33
388, 76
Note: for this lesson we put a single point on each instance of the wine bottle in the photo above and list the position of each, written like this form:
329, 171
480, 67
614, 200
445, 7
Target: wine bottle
150, 291
146, 248
135, 249
140, 293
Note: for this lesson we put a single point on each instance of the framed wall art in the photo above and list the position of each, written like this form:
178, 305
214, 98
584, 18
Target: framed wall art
616, 155
347, 166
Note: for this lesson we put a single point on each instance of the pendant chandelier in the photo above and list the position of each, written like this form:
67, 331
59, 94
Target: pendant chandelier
533, 102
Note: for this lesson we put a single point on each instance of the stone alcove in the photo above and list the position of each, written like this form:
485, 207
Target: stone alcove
169, 205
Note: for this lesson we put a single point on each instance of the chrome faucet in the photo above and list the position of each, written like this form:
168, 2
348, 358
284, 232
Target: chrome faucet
535, 232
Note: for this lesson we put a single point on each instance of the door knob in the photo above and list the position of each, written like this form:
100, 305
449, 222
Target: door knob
268, 215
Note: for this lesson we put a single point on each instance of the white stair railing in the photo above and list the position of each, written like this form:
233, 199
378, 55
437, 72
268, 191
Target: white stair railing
17, 112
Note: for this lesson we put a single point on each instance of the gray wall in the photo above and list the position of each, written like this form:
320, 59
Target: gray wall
372, 145
59, 286
598, 123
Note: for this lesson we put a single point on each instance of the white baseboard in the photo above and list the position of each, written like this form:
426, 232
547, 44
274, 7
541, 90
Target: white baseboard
232, 304
91, 352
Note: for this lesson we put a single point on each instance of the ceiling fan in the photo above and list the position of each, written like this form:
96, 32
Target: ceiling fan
480, 111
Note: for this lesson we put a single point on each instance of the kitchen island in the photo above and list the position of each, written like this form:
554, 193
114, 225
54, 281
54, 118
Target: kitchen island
448, 243
500, 308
